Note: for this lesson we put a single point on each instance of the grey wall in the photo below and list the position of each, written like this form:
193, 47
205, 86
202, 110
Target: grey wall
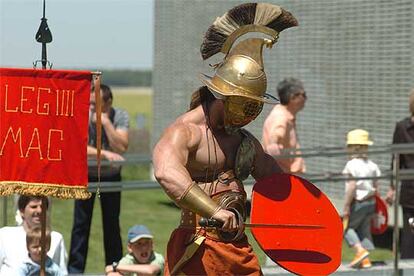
355, 57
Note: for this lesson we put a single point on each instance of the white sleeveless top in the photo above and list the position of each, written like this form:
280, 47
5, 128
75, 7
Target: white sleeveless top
359, 167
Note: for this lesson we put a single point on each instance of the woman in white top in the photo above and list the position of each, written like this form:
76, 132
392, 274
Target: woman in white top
359, 207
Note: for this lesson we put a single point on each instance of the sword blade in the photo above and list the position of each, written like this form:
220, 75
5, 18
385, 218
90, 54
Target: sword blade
282, 225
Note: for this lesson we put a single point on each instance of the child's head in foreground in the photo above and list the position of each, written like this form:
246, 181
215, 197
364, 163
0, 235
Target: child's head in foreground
33, 243
140, 243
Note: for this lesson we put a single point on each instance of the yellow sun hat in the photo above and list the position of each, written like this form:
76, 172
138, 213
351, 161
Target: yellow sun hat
358, 137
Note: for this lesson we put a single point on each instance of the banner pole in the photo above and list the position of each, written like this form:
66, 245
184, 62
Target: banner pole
98, 101
43, 237
43, 36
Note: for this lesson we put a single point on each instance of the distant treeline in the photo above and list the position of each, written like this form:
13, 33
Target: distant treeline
115, 77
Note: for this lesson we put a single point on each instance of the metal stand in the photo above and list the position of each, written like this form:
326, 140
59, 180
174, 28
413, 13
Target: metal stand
396, 247
43, 36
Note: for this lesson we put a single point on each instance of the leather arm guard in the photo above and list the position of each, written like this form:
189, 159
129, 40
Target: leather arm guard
196, 200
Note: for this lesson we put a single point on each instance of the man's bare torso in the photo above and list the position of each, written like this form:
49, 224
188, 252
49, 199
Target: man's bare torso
280, 128
280, 117
213, 153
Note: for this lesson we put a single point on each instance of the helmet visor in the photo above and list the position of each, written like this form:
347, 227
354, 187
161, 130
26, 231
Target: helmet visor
239, 111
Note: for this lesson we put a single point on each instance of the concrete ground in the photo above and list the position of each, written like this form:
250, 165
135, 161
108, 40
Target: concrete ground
406, 267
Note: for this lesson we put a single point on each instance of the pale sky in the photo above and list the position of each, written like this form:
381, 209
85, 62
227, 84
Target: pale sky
90, 34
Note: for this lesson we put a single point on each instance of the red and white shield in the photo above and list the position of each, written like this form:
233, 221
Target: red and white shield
379, 222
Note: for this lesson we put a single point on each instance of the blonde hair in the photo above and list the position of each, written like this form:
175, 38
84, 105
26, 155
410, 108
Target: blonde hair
357, 151
34, 236
411, 102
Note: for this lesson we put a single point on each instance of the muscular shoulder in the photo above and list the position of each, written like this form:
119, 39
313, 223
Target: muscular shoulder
182, 132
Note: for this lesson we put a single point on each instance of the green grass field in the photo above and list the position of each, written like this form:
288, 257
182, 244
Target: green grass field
150, 207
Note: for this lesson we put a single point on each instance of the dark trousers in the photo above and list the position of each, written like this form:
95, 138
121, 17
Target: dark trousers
407, 236
110, 204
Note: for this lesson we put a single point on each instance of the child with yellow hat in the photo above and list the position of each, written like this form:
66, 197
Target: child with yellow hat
359, 207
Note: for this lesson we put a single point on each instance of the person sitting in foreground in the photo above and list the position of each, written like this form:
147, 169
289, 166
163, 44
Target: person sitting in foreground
141, 258
13, 238
31, 265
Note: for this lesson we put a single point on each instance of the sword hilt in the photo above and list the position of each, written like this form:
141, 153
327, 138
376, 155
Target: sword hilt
226, 236
205, 222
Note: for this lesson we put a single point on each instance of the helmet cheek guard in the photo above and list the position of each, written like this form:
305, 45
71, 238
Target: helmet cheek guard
240, 111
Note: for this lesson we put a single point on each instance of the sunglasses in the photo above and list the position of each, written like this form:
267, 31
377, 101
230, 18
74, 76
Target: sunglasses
303, 94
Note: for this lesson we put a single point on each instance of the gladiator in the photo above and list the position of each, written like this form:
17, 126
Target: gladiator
203, 156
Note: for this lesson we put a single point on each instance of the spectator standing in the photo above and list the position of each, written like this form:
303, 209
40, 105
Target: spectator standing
359, 207
404, 133
31, 266
13, 249
279, 129
115, 125
141, 258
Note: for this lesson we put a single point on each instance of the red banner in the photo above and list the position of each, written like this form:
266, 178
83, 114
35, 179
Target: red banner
43, 132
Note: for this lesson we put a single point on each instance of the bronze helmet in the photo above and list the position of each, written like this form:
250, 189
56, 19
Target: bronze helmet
240, 79
242, 73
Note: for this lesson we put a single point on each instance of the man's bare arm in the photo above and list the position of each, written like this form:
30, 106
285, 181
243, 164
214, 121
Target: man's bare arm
109, 155
117, 138
170, 157
277, 132
277, 145
140, 269
298, 165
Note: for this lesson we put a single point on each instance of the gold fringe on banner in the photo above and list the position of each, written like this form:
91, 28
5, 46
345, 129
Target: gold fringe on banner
43, 189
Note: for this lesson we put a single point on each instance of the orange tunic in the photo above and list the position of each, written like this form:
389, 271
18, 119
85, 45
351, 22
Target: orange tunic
212, 257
